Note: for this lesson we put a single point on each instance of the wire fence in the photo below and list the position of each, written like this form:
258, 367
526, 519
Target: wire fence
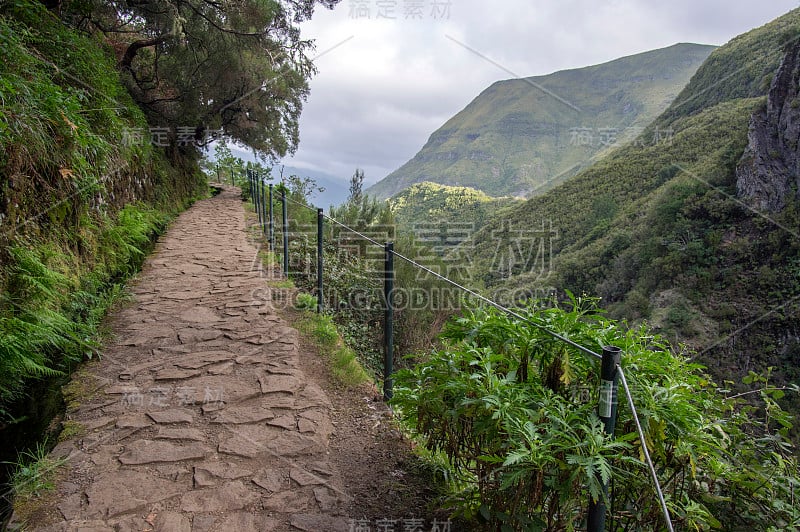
611, 371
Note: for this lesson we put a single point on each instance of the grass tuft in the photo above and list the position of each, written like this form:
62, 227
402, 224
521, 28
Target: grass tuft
34, 473
344, 365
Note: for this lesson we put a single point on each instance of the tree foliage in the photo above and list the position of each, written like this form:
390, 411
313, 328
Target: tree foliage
461, 207
241, 66
78, 207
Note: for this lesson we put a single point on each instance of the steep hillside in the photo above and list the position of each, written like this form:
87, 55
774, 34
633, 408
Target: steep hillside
523, 136
81, 203
423, 206
657, 228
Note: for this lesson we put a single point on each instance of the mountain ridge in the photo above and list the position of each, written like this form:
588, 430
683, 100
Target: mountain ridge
528, 134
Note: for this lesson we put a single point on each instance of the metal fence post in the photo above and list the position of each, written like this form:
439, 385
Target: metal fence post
263, 207
607, 411
260, 197
257, 197
388, 322
271, 223
285, 234
320, 294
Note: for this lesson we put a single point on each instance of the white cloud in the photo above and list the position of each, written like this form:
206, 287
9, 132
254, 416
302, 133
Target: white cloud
379, 95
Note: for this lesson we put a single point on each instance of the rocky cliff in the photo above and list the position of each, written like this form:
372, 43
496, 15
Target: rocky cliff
769, 171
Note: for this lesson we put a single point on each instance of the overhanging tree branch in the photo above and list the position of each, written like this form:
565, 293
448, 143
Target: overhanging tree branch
192, 63
134, 47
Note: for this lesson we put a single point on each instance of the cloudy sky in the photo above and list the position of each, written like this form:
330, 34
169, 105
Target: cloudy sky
392, 71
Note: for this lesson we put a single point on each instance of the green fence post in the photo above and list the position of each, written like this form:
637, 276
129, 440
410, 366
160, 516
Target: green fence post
388, 322
285, 234
607, 411
320, 294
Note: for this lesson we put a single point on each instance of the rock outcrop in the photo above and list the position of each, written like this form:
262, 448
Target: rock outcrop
769, 171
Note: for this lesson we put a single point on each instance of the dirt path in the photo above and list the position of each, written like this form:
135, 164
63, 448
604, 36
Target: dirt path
201, 417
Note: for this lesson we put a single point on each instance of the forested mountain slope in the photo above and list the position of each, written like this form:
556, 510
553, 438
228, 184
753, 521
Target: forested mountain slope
425, 205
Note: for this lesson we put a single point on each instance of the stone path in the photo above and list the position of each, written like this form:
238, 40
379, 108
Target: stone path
202, 419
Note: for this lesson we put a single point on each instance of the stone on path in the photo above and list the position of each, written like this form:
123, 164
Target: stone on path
202, 359
180, 434
285, 422
171, 416
148, 452
248, 522
276, 384
172, 522
133, 421
232, 496
293, 444
327, 498
199, 315
212, 473
243, 414
174, 374
123, 492
271, 480
304, 478
240, 447
287, 501
318, 522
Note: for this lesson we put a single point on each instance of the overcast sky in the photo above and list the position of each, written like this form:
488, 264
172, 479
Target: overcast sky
393, 71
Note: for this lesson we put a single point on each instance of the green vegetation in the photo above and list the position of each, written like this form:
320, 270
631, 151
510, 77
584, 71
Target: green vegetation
742, 68
195, 65
517, 139
615, 190
656, 230
344, 365
82, 387
34, 473
81, 201
70, 430
426, 204
353, 273
33, 478
514, 412
54, 300
84, 191
305, 302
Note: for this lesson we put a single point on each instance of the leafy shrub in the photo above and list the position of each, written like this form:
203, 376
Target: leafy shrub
514, 411
305, 301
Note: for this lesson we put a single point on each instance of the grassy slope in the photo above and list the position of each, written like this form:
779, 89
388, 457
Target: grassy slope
79, 206
514, 138
655, 230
